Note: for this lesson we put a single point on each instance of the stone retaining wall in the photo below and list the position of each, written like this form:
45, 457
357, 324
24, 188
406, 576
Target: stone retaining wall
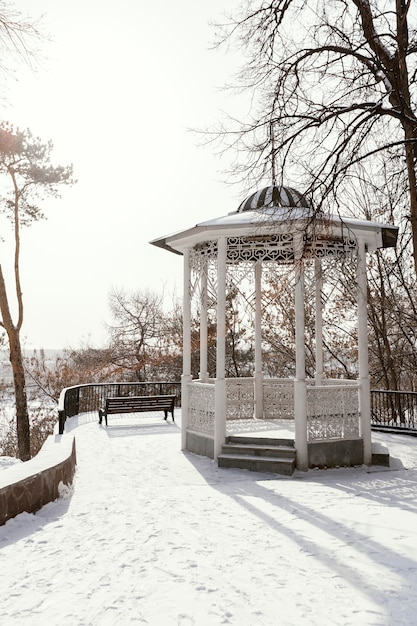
28, 486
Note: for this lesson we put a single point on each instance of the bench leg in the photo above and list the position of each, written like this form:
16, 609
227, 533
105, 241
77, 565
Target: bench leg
166, 415
102, 413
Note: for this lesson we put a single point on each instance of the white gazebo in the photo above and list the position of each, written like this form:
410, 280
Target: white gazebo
275, 229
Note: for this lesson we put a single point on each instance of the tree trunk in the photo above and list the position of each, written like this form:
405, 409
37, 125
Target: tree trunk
410, 154
16, 360
401, 100
22, 416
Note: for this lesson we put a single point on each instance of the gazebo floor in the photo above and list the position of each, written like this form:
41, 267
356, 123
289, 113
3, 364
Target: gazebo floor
262, 428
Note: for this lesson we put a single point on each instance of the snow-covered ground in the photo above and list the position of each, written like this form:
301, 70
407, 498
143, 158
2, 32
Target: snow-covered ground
151, 535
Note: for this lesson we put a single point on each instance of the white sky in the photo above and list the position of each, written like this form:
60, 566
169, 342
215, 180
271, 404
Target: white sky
121, 82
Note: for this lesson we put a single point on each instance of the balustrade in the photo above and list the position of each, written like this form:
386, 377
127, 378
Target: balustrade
332, 412
201, 407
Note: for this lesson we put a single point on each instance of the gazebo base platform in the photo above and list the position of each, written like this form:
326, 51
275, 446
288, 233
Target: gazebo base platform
268, 446
340, 453
203, 444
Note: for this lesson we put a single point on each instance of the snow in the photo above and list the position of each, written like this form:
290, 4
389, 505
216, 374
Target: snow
8, 461
152, 535
55, 450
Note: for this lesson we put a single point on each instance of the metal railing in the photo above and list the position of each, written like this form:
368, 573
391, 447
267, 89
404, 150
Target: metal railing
91, 397
391, 410
394, 410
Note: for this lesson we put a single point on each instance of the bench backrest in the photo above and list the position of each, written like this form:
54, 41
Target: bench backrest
125, 403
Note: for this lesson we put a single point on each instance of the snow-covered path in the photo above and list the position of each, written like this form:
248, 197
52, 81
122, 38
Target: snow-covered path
154, 536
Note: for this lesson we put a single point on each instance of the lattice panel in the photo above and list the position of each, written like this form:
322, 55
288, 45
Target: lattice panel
241, 271
332, 413
203, 261
240, 403
278, 400
201, 408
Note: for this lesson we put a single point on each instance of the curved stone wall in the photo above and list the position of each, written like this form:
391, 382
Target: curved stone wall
29, 486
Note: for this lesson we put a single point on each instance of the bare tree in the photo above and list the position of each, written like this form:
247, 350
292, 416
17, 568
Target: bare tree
26, 176
334, 84
48, 374
392, 311
19, 37
138, 336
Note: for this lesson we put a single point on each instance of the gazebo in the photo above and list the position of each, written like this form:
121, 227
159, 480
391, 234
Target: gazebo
275, 230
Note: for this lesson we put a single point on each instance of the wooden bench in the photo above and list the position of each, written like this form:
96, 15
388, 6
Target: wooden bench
137, 404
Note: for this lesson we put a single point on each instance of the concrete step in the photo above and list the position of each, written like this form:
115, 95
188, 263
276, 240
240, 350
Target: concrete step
380, 454
266, 441
259, 454
251, 449
272, 465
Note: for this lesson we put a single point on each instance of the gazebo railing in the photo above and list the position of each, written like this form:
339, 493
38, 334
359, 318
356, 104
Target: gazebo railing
332, 412
240, 398
332, 409
201, 410
278, 398
90, 397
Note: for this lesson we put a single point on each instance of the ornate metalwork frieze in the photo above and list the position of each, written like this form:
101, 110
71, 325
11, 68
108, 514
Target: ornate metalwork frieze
278, 247
321, 246
270, 247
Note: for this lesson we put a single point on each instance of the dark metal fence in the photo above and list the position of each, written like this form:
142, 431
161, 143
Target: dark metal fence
394, 410
88, 398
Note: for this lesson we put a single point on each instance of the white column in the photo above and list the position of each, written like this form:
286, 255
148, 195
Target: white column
364, 388
318, 276
203, 324
186, 343
300, 389
220, 384
259, 409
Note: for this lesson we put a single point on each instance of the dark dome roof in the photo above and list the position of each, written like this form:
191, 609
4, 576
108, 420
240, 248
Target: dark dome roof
274, 197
